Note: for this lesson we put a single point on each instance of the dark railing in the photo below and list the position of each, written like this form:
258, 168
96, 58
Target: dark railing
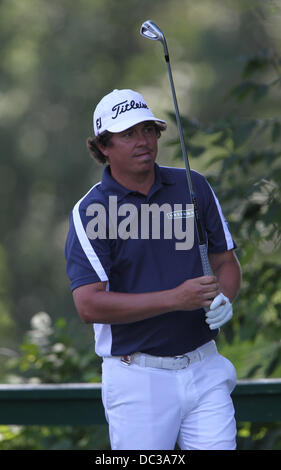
80, 404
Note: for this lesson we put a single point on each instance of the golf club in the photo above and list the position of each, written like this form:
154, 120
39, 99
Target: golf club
151, 31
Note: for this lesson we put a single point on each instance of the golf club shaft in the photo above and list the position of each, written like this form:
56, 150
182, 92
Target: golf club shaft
151, 31
202, 244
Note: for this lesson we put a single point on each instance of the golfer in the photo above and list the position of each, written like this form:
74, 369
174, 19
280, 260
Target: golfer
134, 266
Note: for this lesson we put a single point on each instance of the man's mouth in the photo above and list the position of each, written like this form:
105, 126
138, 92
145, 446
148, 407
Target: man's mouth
144, 154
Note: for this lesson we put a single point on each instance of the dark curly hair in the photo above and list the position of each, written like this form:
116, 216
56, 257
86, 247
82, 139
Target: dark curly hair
104, 140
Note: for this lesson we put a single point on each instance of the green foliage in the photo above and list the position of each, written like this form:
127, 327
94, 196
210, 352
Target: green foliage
244, 167
47, 355
54, 438
259, 436
243, 164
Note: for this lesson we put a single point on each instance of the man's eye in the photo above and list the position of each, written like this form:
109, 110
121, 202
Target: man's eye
127, 134
149, 129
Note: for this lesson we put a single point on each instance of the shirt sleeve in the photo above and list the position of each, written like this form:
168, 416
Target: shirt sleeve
217, 230
87, 261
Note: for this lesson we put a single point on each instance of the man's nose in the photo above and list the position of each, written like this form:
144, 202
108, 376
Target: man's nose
141, 137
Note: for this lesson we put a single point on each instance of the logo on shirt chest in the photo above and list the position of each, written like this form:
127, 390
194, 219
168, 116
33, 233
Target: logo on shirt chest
181, 214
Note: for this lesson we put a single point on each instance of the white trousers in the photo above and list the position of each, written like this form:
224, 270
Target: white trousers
153, 409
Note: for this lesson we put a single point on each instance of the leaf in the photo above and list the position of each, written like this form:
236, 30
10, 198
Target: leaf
273, 364
216, 159
220, 141
189, 126
172, 142
243, 90
30, 348
261, 91
61, 323
252, 211
276, 131
242, 132
258, 63
196, 150
253, 370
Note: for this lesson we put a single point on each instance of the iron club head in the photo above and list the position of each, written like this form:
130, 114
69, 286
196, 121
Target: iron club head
151, 31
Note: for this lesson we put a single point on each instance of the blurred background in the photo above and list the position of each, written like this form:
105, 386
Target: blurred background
58, 59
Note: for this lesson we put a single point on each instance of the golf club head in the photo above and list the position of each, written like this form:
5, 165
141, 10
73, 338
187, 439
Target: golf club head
150, 30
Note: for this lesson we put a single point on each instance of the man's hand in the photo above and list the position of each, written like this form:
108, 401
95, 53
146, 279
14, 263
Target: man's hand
220, 312
196, 293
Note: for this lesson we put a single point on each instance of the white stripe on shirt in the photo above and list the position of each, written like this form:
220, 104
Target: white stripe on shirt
227, 234
85, 243
103, 335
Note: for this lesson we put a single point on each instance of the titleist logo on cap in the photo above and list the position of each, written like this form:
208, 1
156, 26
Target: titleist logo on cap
125, 106
120, 110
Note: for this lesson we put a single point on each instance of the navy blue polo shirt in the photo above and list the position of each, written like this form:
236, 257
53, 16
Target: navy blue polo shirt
98, 249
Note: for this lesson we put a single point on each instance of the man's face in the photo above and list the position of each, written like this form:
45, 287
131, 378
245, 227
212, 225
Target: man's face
134, 150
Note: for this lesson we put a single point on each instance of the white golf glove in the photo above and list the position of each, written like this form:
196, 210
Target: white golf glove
220, 312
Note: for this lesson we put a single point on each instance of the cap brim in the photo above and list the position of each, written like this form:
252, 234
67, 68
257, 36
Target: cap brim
123, 126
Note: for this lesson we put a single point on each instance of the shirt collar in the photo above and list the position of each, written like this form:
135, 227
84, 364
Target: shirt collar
112, 187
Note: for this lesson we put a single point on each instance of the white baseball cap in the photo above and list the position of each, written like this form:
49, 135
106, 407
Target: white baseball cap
120, 110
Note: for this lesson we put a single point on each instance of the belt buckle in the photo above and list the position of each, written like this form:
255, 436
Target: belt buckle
126, 359
185, 356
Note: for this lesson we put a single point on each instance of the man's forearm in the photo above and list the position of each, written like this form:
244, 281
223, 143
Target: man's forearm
114, 307
96, 305
229, 278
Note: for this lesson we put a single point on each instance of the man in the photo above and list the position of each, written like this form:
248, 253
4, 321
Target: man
155, 315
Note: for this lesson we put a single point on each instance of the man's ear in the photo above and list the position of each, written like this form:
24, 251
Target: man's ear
100, 147
104, 149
